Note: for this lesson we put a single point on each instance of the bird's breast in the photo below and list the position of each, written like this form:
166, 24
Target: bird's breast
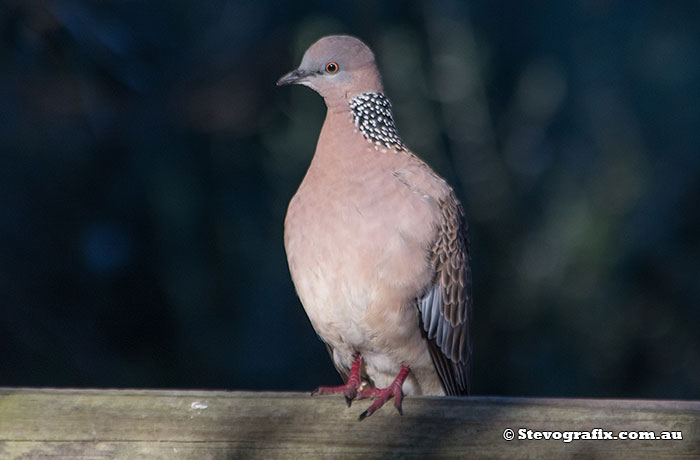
356, 247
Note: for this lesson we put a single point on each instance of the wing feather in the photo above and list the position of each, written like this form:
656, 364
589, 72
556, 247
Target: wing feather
446, 307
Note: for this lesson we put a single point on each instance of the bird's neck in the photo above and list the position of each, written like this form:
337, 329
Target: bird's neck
365, 122
371, 114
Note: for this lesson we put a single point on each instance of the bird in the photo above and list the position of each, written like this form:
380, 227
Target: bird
377, 243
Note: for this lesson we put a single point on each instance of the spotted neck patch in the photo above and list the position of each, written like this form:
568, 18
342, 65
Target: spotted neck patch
371, 113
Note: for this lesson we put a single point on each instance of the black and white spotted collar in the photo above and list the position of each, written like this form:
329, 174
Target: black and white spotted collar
371, 113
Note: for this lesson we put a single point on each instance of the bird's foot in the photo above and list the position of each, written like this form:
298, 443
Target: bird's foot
384, 394
352, 388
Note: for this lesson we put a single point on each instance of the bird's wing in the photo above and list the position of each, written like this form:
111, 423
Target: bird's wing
445, 309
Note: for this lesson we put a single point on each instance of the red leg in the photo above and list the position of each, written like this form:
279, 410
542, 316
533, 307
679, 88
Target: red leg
384, 394
351, 388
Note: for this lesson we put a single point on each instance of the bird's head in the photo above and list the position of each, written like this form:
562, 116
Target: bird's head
338, 67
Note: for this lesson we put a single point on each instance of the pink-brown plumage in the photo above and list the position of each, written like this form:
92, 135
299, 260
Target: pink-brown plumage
376, 242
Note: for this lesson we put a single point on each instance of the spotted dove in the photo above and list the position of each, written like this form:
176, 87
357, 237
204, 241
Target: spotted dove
377, 242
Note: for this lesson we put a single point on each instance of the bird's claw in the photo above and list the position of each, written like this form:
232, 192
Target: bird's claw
351, 388
355, 388
383, 395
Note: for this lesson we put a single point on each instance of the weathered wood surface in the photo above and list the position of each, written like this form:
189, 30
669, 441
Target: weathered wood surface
141, 424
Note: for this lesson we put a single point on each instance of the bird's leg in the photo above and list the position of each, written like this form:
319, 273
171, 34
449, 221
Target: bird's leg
351, 388
384, 394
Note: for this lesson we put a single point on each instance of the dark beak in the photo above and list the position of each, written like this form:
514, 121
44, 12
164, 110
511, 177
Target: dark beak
293, 77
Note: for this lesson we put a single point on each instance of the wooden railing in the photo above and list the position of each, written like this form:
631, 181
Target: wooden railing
154, 424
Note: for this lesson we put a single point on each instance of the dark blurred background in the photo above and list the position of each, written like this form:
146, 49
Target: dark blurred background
147, 160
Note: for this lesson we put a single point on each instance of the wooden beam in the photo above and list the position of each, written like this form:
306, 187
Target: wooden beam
154, 424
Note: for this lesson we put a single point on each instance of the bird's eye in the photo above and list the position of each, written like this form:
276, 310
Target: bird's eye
332, 67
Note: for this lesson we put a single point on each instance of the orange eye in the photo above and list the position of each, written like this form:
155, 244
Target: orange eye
332, 67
